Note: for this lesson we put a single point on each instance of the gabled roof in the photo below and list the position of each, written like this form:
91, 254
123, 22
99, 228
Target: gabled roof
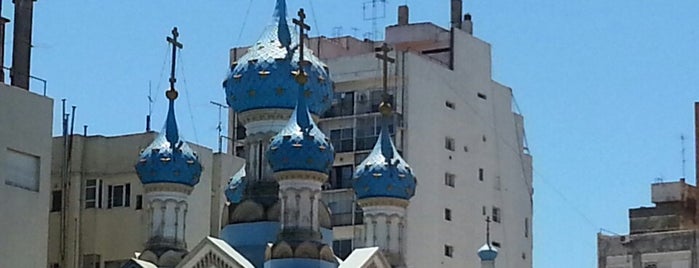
214, 251
365, 258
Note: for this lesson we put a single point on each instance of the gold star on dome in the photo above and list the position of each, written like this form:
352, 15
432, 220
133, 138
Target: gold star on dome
307, 93
252, 92
280, 90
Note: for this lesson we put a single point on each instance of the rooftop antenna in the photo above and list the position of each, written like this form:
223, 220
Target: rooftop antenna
684, 158
374, 10
220, 124
337, 31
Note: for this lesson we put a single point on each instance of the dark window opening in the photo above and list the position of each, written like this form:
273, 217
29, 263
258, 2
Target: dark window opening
447, 214
56, 200
482, 96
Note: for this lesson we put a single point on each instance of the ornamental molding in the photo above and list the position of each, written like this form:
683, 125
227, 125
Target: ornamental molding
267, 114
168, 187
301, 175
383, 201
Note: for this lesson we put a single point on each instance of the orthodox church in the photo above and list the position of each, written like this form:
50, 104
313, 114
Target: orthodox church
275, 216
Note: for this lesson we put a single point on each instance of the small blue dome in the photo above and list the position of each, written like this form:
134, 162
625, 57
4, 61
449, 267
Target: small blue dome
169, 159
488, 252
262, 78
384, 173
301, 145
236, 187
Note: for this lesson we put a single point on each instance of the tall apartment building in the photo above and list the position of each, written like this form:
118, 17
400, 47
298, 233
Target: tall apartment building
454, 124
104, 218
25, 151
25, 168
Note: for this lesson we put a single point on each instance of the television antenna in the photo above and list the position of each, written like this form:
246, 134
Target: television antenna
373, 11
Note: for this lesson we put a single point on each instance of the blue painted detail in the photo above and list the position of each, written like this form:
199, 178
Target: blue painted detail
236, 187
262, 77
169, 159
282, 25
488, 252
301, 145
250, 239
299, 263
384, 173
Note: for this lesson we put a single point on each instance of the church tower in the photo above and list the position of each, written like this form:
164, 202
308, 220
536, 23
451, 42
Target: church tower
384, 184
169, 169
262, 89
300, 156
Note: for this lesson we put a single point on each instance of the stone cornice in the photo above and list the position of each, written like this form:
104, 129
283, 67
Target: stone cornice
267, 114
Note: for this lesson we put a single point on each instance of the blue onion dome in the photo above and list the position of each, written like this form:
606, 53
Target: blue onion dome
488, 252
169, 159
262, 79
236, 187
384, 173
301, 145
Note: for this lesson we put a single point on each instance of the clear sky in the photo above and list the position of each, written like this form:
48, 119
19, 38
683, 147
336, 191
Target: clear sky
606, 87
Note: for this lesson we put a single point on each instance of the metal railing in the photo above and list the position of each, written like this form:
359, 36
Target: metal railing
31, 77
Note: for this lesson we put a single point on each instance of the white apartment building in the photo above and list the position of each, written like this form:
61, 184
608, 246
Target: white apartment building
454, 125
25, 169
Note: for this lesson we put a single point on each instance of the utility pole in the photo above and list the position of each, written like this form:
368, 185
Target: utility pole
220, 124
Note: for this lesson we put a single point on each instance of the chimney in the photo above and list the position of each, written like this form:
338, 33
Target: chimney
456, 11
403, 15
696, 141
467, 25
22, 43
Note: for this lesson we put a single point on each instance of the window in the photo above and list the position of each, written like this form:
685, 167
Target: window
56, 200
115, 264
368, 130
119, 195
447, 214
93, 193
482, 96
342, 105
497, 244
450, 105
449, 179
526, 227
341, 177
496, 214
449, 143
91, 261
139, 202
342, 139
342, 248
448, 251
480, 174
484, 211
54, 265
21, 170
650, 265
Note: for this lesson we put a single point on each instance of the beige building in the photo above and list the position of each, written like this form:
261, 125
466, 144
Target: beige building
456, 128
104, 220
25, 168
661, 236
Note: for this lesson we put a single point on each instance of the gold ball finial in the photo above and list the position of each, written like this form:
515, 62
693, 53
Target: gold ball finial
385, 108
301, 77
171, 94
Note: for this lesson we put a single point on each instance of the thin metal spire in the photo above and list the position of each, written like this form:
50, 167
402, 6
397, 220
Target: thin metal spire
171, 132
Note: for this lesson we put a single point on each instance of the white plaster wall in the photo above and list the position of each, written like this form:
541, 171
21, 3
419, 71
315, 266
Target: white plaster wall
26, 120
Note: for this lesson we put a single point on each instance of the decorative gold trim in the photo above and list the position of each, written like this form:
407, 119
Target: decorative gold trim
301, 175
168, 187
383, 201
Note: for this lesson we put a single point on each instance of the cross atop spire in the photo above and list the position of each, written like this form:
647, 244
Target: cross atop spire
172, 93
303, 27
487, 231
385, 106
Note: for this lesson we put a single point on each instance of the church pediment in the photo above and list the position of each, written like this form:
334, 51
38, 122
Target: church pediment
366, 258
214, 253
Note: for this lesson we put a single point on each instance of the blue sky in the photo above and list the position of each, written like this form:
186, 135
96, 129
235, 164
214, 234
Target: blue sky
606, 87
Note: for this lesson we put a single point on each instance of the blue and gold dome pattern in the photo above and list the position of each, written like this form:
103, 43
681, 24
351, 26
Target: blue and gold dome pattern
384, 173
262, 78
169, 159
301, 145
